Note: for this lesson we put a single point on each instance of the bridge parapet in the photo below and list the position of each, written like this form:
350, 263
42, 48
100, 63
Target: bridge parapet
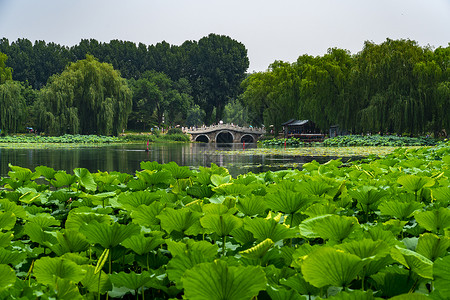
208, 129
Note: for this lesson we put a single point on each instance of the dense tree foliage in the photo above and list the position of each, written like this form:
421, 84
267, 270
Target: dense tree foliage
13, 110
5, 72
396, 87
88, 97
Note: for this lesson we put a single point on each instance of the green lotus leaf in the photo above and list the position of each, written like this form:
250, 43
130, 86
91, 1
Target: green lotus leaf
70, 241
29, 195
106, 178
243, 236
6, 238
151, 165
410, 296
7, 220
393, 280
434, 220
21, 174
218, 281
398, 209
38, 235
222, 225
206, 249
432, 246
163, 177
131, 200
200, 191
268, 229
286, 201
368, 197
142, 244
213, 208
258, 251
314, 187
44, 220
441, 273
320, 209
328, 266
63, 195
218, 180
329, 227
180, 220
281, 293
381, 233
48, 173
7, 277
298, 283
66, 289
442, 195
138, 184
203, 177
107, 235
251, 205
48, 269
413, 261
130, 280
62, 179
177, 171
414, 183
232, 189
96, 282
17, 210
145, 215
85, 178
11, 257
77, 218
354, 295
366, 248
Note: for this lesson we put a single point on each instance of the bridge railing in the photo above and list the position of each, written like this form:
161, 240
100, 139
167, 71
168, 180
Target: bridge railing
233, 127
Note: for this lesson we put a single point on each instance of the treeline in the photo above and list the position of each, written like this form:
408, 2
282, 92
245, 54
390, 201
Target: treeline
187, 84
394, 87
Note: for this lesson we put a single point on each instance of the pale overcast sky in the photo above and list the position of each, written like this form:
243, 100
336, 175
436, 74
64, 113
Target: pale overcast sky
270, 30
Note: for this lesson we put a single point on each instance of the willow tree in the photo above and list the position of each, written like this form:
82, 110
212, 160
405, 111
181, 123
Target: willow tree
88, 97
12, 107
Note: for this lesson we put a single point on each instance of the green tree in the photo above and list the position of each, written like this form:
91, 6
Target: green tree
195, 116
235, 113
88, 97
5, 72
13, 110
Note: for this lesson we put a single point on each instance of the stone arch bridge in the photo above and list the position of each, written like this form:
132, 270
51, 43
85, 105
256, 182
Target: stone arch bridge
225, 133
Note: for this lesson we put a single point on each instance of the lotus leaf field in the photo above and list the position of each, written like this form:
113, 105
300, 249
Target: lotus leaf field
378, 229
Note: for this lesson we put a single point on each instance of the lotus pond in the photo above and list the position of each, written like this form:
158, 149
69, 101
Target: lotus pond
374, 230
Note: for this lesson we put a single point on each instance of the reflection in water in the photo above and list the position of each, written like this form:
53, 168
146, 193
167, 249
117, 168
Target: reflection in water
127, 157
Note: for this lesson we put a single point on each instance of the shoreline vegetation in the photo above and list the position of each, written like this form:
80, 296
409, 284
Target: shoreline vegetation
165, 232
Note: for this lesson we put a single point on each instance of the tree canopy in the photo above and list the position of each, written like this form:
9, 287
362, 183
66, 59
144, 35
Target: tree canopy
87, 97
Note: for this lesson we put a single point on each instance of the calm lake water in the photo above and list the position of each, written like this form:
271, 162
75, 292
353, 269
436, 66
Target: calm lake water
126, 158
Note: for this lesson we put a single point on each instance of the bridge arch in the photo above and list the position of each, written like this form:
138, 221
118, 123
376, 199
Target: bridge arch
203, 138
224, 136
247, 138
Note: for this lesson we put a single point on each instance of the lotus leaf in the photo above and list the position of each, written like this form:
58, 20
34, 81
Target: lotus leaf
7, 220
200, 191
268, 229
258, 251
410, 296
6, 238
222, 225
151, 165
441, 273
435, 220
281, 293
177, 171
415, 183
70, 241
8, 206
161, 178
11, 257
328, 266
180, 220
218, 180
368, 197
107, 235
299, 284
142, 244
399, 209
251, 205
218, 281
137, 184
85, 178
213, 208
286, 201
44, 220
243, 236
38, 235
145, 215
7, 277
329, 227
48, 173
62, 179
78, 218
354, 295
95, 282
413, 261
48, 269
130, 280
319, 209
432, 246
132, 200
